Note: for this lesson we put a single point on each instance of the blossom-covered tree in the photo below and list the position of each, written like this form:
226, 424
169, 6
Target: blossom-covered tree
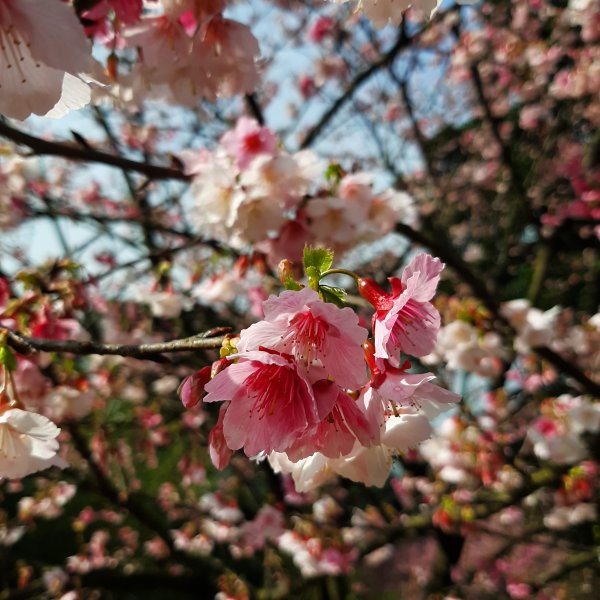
299, 300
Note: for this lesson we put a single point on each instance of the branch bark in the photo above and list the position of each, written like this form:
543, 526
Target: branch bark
79, 153
211, 339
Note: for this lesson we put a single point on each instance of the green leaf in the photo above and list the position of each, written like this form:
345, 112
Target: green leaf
314, 276
335, 295
319, 258
7, 358
334, 173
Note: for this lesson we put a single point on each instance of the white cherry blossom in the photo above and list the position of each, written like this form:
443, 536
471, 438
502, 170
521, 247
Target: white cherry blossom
27, 444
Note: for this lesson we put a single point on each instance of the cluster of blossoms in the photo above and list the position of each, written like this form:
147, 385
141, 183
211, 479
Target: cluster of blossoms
29, 403
556, 329
558, 434
250, 192
14, 179
186, 50
461, 346
173, 50
306, 388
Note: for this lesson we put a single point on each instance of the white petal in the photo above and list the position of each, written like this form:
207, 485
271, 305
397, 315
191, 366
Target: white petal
75, 94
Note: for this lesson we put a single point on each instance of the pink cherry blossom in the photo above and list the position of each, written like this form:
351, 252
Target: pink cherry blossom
336, 435
247, 141
272, 403
233, 51
314, 332
288, 244
405, 320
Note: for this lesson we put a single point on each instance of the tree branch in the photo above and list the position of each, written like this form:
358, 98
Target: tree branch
402, 41
79, 153
211, 339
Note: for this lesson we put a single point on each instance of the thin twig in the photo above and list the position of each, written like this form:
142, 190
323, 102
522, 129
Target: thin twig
210, 339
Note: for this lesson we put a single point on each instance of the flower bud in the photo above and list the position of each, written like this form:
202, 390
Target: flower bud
285, 272
374, 294
112, 67
191, 390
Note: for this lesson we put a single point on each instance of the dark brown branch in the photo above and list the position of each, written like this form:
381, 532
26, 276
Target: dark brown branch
573, 562
254, 108
79, 153
402, 41
211, 339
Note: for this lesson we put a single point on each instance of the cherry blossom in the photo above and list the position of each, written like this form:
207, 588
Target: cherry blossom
247, 141
42, 51
27, 443
272, 403
405, 320
314, 332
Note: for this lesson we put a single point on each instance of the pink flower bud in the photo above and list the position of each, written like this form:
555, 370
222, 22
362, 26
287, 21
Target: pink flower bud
374, 294
191, 390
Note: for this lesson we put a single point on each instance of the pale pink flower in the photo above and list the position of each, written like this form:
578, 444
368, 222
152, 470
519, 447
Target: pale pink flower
27, 443
163, 43
219, 289
64, 402
42, 50
255, 218
272, 403
403, 405
387, 209
163, 304
316, 333
534, 327
268, 524
338, 222
552, 441
233, 51
30, 382
288, 244
215, 191
278, 179
405, 320
307, 473
247, 141
412, 390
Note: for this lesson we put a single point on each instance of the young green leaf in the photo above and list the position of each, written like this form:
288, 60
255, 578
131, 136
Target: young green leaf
335, 295
319, 258
7, 358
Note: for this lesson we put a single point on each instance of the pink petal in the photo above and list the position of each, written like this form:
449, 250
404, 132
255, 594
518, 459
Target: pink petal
424, 271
